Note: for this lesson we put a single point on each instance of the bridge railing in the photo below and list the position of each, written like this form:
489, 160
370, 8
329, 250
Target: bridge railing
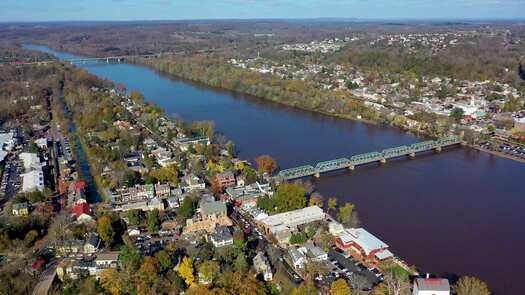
297, 172
397, 151
332, 165
366, 158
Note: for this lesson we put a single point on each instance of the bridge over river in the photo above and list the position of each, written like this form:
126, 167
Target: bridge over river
367, 158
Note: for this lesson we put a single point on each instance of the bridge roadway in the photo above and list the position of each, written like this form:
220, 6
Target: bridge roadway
83, 60
367, 158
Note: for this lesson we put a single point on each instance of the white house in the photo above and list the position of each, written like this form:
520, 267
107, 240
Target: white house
297, 257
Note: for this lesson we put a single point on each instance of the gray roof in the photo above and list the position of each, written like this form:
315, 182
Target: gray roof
433, 284
19, 206
221, 234
210, 208
93, 239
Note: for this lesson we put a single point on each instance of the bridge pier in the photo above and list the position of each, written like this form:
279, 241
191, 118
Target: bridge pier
317, 175
351, 167
382, 161
412, 155
438, 149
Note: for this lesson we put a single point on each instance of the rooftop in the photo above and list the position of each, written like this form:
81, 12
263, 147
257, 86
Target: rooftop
432, 284
210, 208
365, 240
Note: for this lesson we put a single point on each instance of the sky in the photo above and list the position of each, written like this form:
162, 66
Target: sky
118, 10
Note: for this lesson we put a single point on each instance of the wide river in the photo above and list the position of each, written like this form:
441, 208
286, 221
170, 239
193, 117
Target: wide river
460, 212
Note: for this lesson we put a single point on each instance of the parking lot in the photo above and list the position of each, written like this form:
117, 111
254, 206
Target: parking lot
513, 150
11, 180
346, 266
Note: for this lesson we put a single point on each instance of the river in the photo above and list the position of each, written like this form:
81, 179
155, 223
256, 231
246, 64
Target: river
459, 212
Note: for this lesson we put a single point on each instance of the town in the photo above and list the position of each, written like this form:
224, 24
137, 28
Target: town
489, 112
172, 202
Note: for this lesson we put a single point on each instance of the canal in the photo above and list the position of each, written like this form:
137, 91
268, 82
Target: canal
456, 213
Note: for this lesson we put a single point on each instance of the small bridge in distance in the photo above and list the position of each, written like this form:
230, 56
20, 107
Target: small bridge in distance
84, 60
367, 158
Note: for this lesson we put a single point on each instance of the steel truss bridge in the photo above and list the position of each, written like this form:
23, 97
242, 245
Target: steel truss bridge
367, 158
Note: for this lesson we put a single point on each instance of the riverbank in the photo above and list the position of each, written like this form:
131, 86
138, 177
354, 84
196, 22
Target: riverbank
496, 153
380, 120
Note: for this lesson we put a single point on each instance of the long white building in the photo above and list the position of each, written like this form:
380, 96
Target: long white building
281, 225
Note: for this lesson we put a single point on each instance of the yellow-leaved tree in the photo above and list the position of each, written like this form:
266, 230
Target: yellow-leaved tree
186, 271
340, 287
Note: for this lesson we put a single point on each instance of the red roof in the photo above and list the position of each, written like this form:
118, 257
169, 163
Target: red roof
38, 263
82, 208
80, 185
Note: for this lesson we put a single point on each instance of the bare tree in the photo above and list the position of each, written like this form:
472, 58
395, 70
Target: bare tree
357, 283
397, 283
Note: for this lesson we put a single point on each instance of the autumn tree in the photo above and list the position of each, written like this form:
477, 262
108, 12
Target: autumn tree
148, 270
265, 163
345, 213
105, 230
136, 96
135, 217
153, 221
240, 264
316, 199
305, 288
471, 286
332, 204
340, 287
111, 281
457, 114
186, 271
164, 260
169, 174
130, 258
208, 271
288, 197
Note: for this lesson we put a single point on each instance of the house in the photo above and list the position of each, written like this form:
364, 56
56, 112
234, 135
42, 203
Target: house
68, 247
211, 214
247, 195
185, 142
162, 190
431, 286
92, 243
314, 253
82, 212
225, 179
364, 243
298, 259
21, 209
213, 210
106, 260
221, 237
191, 182
133, 232
173, 202
261, 265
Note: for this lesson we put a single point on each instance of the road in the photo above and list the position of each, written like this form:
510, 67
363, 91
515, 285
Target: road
46, 279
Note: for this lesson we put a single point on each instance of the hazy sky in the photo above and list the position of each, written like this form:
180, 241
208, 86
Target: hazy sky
52, 10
